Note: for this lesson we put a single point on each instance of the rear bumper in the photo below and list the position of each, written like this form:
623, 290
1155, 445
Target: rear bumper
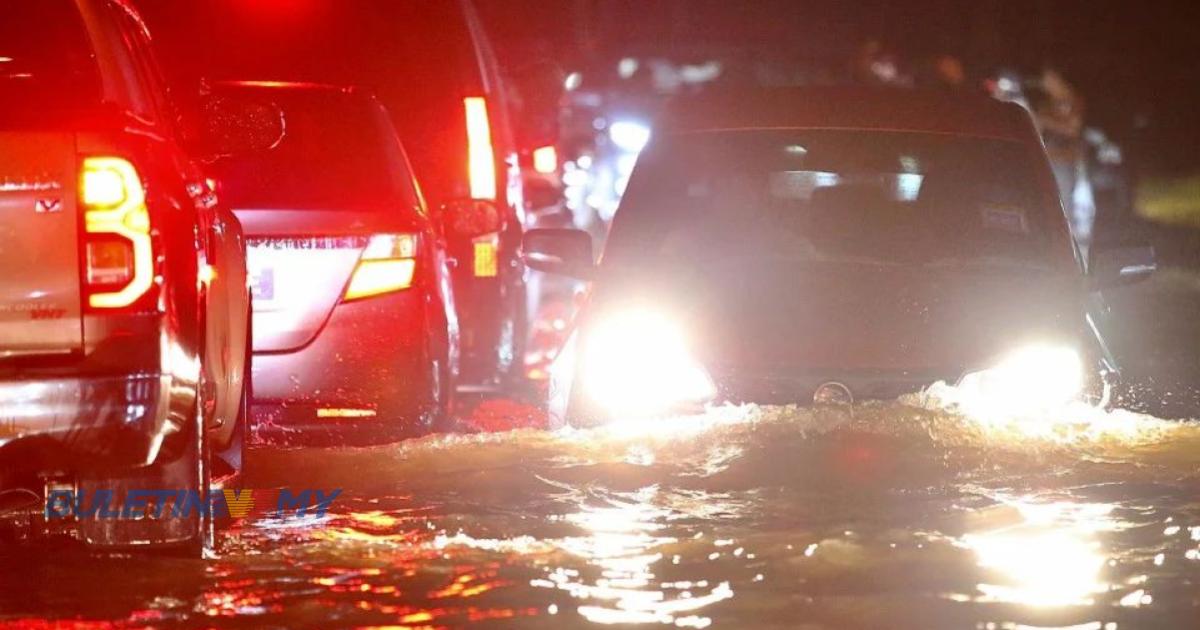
368, 358
82, 422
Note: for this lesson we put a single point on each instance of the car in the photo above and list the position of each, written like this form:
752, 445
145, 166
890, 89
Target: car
355, 331
432, 65
124, 312
831, 246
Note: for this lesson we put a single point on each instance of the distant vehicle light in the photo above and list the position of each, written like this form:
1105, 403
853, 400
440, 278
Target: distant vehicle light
115, 217
387, 264
629, 136
481, 156
637, 363
545, 160
1031, 379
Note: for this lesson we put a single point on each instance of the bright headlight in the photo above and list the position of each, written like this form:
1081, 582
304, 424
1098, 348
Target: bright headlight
1036, 377
629, 136
637, 363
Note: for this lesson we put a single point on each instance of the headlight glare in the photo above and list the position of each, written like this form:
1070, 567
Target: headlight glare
637, 363
1033, 378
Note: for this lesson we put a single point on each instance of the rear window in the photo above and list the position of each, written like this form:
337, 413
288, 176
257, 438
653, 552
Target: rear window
833, 195
46, 57
338, 152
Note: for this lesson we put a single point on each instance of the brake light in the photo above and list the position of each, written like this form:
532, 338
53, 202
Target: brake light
481, 156
545, 160
118, 250
387, 264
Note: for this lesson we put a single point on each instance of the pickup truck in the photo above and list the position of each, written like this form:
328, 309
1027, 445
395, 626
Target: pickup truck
124, 309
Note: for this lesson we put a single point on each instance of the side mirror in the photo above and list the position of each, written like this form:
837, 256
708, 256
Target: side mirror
471, 217
1117, 266
232, 125
554, 250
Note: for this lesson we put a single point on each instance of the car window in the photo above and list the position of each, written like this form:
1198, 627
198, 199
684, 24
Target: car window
882, 197
137, 42
45, 55
334, 155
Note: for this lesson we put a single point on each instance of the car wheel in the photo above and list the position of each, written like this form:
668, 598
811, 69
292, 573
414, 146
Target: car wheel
228, 461
439, 391
195, 472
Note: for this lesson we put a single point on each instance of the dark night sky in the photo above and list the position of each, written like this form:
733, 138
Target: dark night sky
1136, 62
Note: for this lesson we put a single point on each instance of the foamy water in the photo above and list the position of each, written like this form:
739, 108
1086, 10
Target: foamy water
906, 514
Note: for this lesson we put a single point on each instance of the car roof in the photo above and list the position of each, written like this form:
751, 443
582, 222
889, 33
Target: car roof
853, 108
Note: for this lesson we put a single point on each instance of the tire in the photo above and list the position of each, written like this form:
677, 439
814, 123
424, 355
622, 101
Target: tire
440, 392
197, 461
230, 459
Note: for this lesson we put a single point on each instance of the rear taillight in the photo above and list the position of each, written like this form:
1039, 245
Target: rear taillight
481, 155
387, 264
118, 252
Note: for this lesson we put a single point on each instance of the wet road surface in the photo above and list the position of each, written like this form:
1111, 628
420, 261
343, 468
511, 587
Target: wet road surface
771, 517
901, 514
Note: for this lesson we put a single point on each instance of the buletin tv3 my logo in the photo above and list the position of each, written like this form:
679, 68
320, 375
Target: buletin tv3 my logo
105, 503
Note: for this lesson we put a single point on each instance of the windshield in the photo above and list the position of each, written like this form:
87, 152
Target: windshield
46, 57
338, 152
831, 195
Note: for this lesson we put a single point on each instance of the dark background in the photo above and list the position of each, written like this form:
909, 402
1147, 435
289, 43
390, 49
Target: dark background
1137, 63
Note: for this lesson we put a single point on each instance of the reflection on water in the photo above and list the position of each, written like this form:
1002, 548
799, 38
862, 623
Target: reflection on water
1053, 557
622, 543
884, 515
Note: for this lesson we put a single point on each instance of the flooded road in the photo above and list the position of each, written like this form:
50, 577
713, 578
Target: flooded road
889, 515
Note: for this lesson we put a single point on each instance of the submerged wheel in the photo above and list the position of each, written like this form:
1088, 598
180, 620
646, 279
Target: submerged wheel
439, 394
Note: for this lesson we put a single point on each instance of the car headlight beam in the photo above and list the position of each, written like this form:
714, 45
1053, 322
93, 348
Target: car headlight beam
637, 363
1033, 378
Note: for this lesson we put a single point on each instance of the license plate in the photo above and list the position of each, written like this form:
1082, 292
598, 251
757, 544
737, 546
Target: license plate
262, 284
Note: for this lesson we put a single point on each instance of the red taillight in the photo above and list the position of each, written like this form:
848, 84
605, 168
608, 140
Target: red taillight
117, 247
388, 264
481, 155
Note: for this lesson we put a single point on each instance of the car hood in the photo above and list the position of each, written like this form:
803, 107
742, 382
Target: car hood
783, 316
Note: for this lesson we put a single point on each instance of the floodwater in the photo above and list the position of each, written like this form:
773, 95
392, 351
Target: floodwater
897, 515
